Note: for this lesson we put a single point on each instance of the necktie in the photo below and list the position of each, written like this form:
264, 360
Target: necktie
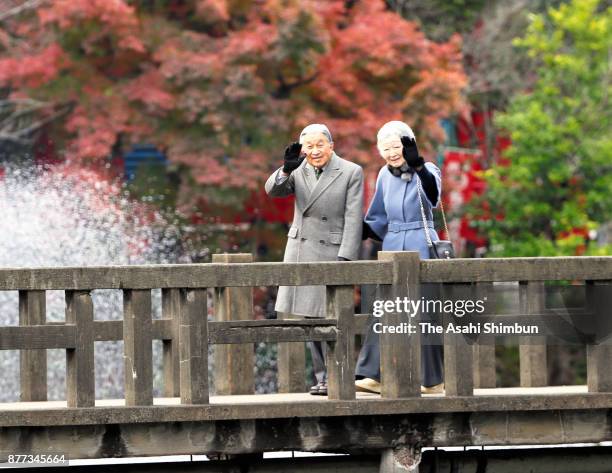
318, 172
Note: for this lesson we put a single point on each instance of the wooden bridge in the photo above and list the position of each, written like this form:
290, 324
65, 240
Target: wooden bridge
235, 421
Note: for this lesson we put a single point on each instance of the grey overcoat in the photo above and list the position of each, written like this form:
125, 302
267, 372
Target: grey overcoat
327, 223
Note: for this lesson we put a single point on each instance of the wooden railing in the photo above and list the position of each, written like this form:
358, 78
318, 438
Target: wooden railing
186, 333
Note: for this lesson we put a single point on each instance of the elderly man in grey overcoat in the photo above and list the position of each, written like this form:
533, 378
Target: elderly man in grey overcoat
327, 222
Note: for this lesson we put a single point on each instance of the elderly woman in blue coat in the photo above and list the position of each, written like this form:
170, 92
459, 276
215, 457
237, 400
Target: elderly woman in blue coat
395, 217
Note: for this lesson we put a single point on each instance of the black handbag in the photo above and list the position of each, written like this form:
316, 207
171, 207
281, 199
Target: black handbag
441, 249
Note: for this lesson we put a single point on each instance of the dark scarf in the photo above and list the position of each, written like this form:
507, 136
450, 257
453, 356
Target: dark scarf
404, 172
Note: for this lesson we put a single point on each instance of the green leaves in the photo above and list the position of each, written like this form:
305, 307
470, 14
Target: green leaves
558, 182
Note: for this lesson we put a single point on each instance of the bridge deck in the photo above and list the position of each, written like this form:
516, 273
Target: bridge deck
302, 405
256, 423
293, 398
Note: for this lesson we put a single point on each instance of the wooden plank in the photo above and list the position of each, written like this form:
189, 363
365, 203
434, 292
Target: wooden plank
225, 409
234, 364
32, 363
108, 330
484, 365
541, 326
137, 347
263, 323
599, 353
275, 330
400, 354
532, 350
360, 324
340, 354
371, 434
80, 376
40, 337
112, 330
458, 351
245, 331
163, 329
61, 335
195, 275
328, 273
291, 362
219, 334
517, 269
484, 348
193, 336
171, 357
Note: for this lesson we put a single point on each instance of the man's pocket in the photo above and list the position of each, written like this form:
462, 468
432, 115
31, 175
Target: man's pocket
335, 238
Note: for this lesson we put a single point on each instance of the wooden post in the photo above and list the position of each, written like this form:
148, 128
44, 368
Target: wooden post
599, 353
291, 361
80, 374
193, 340
234, 364
170, 348
400, 354
532, 351
458, 352
33, 363
137, 349
340, 356
484, 348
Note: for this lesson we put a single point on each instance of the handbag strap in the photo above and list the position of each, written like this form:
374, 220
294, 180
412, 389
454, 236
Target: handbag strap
427, 236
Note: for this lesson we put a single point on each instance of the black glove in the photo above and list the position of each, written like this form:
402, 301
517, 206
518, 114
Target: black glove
342, 258
293, 157
411, 152
429, 184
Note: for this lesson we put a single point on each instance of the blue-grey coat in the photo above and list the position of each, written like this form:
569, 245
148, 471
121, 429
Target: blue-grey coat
395, 216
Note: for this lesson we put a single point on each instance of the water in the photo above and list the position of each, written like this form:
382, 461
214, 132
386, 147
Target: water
72, 217
67, 216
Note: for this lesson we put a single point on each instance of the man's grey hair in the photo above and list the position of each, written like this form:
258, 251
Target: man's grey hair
316, 128
394, 129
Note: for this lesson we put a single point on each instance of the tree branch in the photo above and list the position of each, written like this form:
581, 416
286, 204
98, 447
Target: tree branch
19, 120
27, 5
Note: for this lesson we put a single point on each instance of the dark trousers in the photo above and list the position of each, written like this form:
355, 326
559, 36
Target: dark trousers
317, 353
432, 349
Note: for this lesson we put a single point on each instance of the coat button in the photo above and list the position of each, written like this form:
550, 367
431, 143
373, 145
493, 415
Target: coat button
324, 219
322, 242
303, 239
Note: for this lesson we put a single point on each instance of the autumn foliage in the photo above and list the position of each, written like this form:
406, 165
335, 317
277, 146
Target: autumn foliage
222, 85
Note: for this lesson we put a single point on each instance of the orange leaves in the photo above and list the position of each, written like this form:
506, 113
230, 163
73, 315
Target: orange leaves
111, 17
150, 90
96, 124
380, 67
381, 43
251, 42
66, 12
189, 57
33, 70
95, 133
212, 11
223, 85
